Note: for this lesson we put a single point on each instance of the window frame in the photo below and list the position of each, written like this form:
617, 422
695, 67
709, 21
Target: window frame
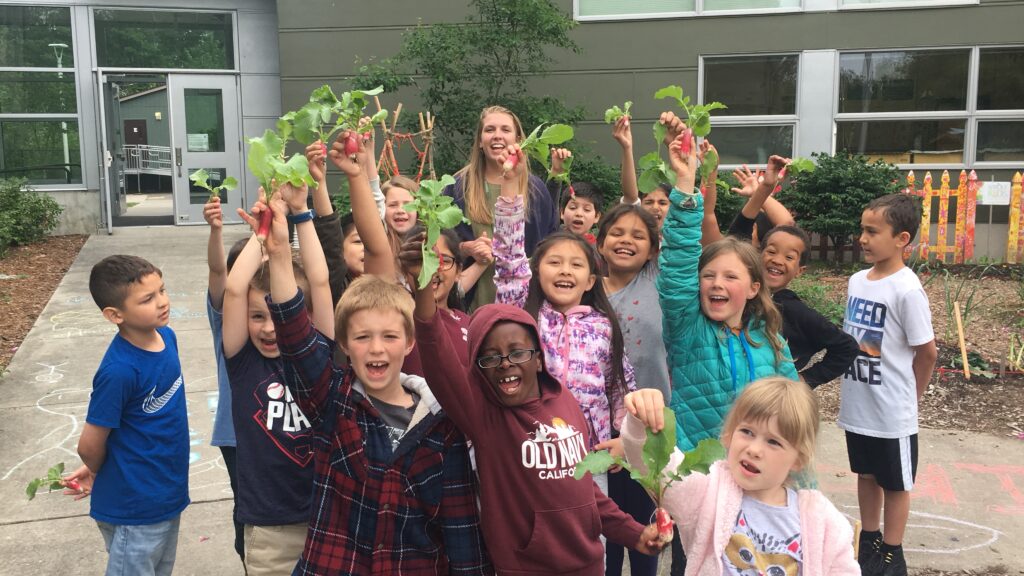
970, 115
74, 71
791, 120
906, 4
698, 12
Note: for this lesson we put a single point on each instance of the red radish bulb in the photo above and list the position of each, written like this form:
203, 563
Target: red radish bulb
351, 146
778, 185
73, 484
686, 145
510, 163
665, 525
266, 217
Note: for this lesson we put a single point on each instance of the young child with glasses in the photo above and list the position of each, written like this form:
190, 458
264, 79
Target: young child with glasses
579, 333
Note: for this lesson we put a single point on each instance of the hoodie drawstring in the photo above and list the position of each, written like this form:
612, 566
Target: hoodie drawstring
732, 358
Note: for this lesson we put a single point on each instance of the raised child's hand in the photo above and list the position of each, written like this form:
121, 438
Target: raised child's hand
775, 166
649, 542
349, 143
79, 483
519, 167
558, 157
482, 250
213, 214
648, 405
316, 157
685, 167
749, 181
410, 255
622, 133
294, 198
674, 124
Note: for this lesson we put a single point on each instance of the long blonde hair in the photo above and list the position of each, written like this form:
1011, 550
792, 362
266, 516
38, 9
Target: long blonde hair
474, 183
761, 306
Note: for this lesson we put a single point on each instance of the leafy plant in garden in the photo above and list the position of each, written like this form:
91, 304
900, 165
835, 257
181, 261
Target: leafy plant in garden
830, 199
325, 114
953, 289
201, 178
435, 212
612, 115
52, 479
819, 296
657, 452
26, 216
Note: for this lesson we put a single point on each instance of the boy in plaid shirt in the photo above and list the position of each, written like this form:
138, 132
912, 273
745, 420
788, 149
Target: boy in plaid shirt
393, 489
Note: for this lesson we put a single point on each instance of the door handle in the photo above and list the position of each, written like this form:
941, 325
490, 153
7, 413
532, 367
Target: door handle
177, 160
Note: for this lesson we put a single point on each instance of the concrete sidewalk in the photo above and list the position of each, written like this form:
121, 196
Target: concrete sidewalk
968, 507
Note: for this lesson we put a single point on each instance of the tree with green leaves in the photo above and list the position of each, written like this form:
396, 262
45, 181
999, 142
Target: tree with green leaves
458, 68
830, 199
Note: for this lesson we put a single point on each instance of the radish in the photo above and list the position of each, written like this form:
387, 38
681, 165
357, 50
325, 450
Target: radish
73, 484
351, 146
266, 217
665, 525
778, 182
510, 164
687, 143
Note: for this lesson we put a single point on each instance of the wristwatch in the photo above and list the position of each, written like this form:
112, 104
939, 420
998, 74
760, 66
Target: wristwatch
301, 217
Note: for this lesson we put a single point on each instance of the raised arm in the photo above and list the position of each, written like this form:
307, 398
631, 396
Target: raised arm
215, 260
236, 292
623, 134
379, 259
677, 283
710, 232
313, 262
318, 170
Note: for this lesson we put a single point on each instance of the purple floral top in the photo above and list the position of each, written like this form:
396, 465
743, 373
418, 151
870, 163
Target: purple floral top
577, 344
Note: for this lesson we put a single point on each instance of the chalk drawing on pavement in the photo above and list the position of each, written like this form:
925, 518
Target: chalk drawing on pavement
946, 535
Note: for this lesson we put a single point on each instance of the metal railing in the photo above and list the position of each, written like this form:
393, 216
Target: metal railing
143, 159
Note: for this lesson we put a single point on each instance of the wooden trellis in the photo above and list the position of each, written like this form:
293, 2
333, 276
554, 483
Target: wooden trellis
387, 165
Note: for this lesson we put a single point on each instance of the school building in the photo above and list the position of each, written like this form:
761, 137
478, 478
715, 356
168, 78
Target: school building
929, 85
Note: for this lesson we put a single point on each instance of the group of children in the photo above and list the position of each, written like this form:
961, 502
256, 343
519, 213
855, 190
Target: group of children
379, 429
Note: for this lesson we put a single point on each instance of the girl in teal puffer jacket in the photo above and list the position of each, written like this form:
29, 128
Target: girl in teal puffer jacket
721, 329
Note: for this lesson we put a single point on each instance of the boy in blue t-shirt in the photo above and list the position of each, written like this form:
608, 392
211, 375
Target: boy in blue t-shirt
135, 441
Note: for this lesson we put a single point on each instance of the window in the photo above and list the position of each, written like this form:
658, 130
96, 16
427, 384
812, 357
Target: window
761, 94
38, 103
626, 9
901, 3
156, 39
905, 107
918, 107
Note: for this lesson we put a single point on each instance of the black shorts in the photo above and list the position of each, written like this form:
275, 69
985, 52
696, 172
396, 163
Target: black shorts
892, 461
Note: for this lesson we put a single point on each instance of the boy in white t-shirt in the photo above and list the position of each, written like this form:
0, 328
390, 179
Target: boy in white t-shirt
887, 313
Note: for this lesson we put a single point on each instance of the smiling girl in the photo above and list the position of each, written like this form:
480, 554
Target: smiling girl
721, 327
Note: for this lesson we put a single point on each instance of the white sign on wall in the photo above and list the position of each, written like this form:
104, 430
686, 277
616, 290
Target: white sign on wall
994, 193
198, 142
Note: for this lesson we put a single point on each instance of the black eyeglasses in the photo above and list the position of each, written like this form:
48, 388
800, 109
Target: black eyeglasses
447, 262
513, 357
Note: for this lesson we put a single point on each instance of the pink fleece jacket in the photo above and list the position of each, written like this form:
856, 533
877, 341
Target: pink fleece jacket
705, 508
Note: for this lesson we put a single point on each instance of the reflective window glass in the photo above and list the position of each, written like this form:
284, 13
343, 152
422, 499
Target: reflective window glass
904, 141
44, 151
1001, 79
634, 7
204, 120
200, 196
154, 39
903, 81
33, 36
752, 85
37, 92
751, 144
1001, 141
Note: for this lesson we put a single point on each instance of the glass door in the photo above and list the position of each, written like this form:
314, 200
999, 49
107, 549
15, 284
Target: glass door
205, 134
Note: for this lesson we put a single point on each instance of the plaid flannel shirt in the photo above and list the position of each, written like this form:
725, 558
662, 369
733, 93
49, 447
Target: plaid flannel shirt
376, 511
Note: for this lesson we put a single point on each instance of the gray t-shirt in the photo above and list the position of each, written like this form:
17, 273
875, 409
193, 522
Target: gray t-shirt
765, 540
639, 314
396, 418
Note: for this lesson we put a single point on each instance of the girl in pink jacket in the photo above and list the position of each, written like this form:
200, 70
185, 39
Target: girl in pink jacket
742, 518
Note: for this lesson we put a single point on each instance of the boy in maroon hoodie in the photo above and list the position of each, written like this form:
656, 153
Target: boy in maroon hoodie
529, 434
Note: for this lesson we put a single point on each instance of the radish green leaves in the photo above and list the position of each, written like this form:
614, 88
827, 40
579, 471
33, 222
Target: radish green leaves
435, 212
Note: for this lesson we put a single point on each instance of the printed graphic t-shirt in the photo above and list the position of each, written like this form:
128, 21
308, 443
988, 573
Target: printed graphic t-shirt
273, 443
887, 318
765, 540
140, 396
397, 418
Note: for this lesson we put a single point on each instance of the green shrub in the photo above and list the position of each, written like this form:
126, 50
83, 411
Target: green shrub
829, 302
25, 216
830, 199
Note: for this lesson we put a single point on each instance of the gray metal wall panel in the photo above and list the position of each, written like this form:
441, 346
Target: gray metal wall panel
322, 14
257, 42
261, 95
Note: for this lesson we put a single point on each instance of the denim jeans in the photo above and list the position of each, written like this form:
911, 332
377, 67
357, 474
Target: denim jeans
141, 550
